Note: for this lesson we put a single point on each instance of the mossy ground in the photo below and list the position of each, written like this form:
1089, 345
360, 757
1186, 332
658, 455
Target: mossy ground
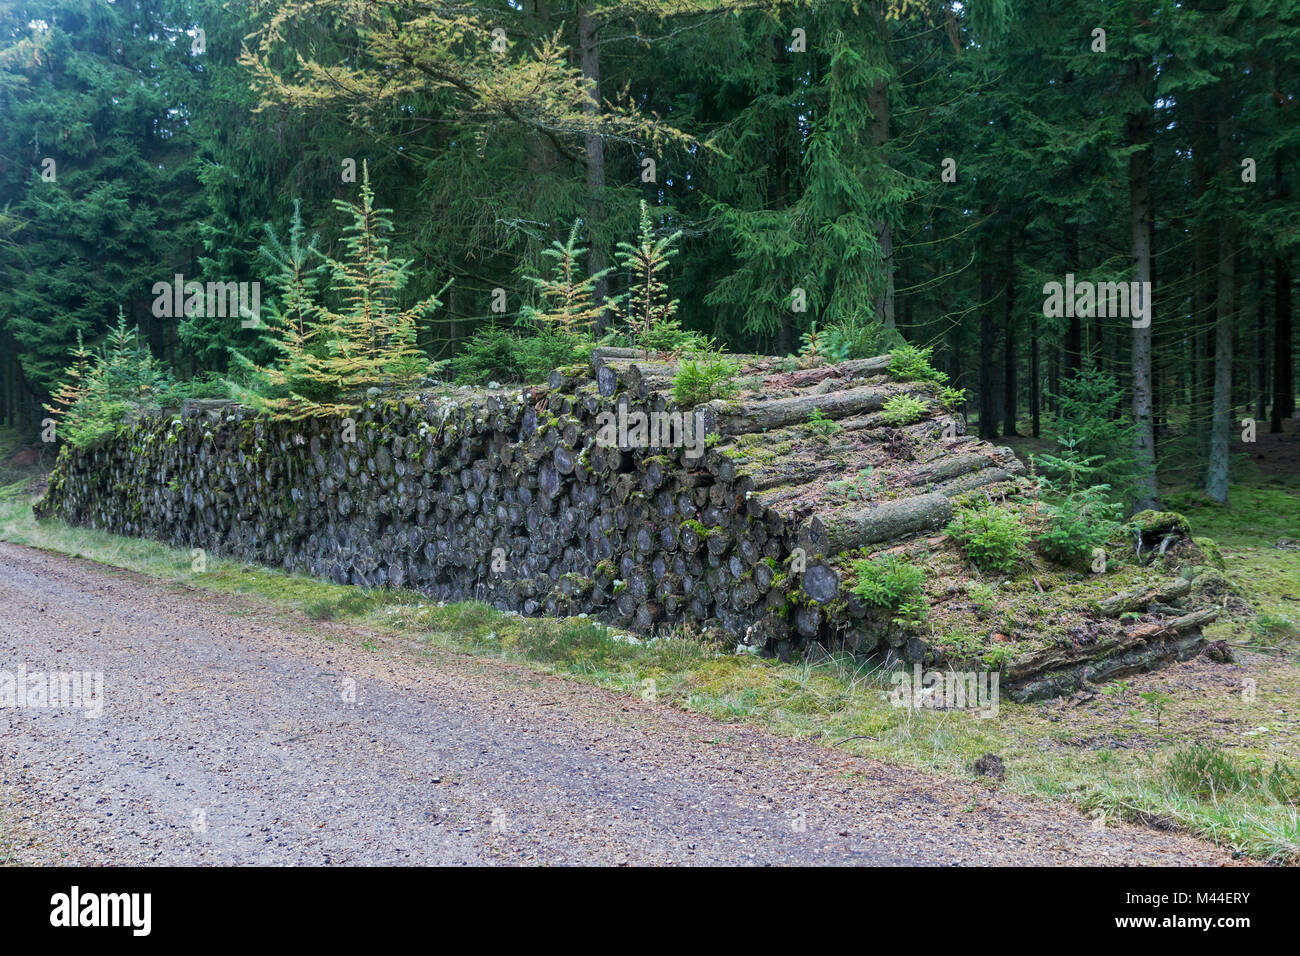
1106, 750
1258, 535
982, 620
23, 459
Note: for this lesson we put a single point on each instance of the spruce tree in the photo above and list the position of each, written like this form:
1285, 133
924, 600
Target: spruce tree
645, 309
568, 296
338, 342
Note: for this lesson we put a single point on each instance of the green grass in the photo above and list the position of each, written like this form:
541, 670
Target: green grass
1107, 756
1248, 531
13, 441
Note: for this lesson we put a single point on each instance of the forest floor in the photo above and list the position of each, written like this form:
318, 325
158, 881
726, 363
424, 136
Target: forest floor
1199, 748
23, 462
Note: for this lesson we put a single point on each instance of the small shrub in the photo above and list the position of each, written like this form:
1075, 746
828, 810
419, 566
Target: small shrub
567, 297
857, 337
822, 423
1078, 523
204, 385
1273, 626
1212, 773
911, 364
320, 610
981, 595
953, 399
999, 656
890, 582
1202, 771
1079, 517
903, 410
855, 488
101, 389
497, 354
645, 306
1094, 419
994, 538
703, 377
811, 350
963, 642
1156, 702
669, 336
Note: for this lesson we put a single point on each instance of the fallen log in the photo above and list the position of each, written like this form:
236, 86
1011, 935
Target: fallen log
852, 526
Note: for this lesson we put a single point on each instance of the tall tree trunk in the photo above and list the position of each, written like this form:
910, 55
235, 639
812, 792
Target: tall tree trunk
589, 51
1216, 477
1202, 288
5, 359
785, 336
1035, 386
1146, 491
1097, 348
6, 374
988, 339
1260, 388
1073, 344
1283, 370
1010, 393
878, 104
1054, 380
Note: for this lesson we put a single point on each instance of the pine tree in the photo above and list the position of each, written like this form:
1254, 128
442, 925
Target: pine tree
568, 297
350, 338
75, 384
291, 322
371, 341
100, 390
645, 309
98, 167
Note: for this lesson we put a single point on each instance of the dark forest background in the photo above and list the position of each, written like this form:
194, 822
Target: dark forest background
918, 168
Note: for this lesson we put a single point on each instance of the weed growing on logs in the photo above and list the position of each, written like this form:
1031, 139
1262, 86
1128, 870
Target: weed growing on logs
994, 538
903, 410
891, 583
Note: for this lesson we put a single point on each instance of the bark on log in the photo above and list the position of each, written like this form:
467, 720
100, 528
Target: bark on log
737, 419
852, 527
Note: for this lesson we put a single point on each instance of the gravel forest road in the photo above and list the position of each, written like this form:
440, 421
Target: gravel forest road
225, 739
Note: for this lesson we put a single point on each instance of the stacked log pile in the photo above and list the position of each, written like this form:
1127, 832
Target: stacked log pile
530, 499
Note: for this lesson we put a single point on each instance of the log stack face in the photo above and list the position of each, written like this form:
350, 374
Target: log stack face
565, 499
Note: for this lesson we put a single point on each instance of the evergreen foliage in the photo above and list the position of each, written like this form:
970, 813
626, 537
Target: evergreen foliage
355, 336
703, 376
568, 297
891, 583
646, 312
994, 538
101, 389
899, 172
